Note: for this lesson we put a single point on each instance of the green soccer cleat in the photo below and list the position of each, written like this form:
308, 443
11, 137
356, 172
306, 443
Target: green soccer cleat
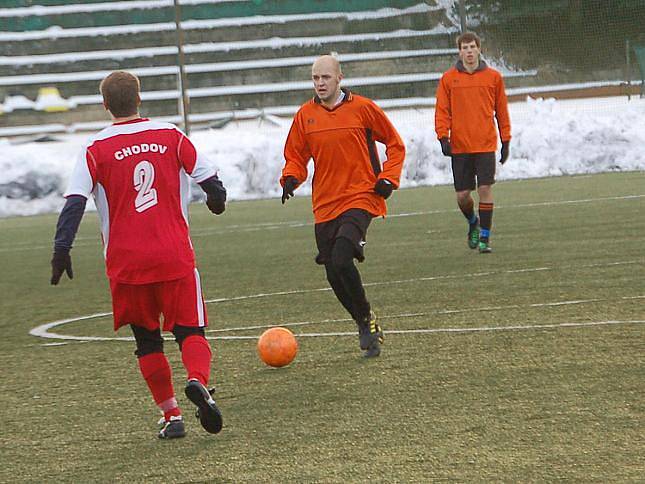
484, 248
370, 336
473, 236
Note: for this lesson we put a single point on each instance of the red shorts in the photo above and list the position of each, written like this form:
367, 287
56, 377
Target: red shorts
180, 301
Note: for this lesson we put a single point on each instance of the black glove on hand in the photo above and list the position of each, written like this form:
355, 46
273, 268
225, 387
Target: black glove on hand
505, 151
445, 147
384, 188
216, 204
215, 194
61, 262
290, 184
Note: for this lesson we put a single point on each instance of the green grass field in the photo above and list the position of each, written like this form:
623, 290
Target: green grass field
528, 363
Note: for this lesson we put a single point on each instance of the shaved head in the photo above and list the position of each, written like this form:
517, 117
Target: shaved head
328, 63
327, 75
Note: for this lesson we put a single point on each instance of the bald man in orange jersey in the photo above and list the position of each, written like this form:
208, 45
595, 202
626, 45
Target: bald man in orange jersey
338, 130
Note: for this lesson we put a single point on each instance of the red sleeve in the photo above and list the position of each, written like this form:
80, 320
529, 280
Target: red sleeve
385, 132
186, 152
296, 152
442, 114
501, 111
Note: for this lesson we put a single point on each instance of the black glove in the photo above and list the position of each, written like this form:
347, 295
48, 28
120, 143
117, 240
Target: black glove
61, 262
505, 151
290, 184
384, 188
445, 147
215, 194
216, 204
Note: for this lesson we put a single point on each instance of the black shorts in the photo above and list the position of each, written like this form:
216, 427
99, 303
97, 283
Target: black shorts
351, 225
468, 166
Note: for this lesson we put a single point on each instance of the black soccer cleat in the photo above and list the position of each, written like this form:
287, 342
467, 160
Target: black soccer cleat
207, 412
173, 428
370, 336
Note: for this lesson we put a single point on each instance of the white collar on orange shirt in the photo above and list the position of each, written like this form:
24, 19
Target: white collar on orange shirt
340, 99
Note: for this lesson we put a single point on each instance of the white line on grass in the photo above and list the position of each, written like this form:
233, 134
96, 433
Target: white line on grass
43, 330
422, 330
296, 224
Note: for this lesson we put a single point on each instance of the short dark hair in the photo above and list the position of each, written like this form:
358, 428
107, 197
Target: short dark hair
120, 91
468, 37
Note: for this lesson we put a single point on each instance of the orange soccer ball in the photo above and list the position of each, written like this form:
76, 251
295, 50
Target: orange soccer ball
277, 347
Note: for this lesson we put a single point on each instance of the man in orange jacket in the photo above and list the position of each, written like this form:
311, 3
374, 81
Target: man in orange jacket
338, 129
468, 96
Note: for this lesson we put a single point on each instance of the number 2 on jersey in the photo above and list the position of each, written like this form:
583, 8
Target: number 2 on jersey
144, 177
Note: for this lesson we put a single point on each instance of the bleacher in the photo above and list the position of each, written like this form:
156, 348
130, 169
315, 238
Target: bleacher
243, 58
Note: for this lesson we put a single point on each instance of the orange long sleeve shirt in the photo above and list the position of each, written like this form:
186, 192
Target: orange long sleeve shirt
341, 143
466, 107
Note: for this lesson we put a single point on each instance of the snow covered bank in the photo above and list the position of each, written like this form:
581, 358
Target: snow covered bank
550, 138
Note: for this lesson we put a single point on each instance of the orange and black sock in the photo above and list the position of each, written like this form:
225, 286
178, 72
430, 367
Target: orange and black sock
485, 220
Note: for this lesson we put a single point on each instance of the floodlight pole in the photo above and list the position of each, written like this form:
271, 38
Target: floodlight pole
462, 15
183, 80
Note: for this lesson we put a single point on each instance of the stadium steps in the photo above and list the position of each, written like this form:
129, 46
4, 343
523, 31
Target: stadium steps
236, 73
234, 64
213, 52
215, 30
22, 15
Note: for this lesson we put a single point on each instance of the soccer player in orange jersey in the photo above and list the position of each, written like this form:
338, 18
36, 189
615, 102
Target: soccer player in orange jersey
469, 96
338, 130
137, 171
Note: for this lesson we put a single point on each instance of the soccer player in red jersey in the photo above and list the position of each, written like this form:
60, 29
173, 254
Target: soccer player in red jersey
137, 171
338, 130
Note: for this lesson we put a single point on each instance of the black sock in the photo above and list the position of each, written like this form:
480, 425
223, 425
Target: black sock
485, 220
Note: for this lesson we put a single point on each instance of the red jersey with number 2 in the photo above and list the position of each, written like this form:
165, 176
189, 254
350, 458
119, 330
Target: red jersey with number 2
137, 172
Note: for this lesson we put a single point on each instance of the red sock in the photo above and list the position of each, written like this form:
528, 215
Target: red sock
156, 371
196, 356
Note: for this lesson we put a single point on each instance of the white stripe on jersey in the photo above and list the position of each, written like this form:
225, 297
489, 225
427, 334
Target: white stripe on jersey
203, 168
184, 193
103, 211
130, 128
200, 300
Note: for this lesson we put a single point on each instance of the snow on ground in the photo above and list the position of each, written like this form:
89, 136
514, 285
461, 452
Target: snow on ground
550, 138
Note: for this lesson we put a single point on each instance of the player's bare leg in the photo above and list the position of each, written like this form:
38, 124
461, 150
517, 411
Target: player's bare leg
467, 207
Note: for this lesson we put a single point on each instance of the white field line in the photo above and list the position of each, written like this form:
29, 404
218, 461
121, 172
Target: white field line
422, 314
59, 33
353, 333
243, 228
43, 329
461, 330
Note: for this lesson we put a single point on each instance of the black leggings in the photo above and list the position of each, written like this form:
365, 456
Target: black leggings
345, 280
152, 341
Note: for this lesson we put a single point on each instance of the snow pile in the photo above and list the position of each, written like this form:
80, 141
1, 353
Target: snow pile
550, 138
